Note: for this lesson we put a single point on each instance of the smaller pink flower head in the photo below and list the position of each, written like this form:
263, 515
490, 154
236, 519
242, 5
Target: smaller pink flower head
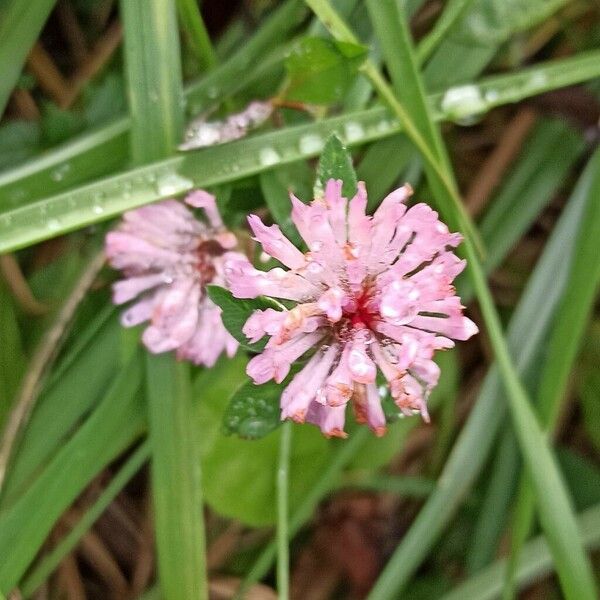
168, 257
372, 294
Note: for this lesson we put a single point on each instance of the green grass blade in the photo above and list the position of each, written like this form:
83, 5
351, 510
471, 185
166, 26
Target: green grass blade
552, 142
12, 356
453, 11
499, 492
112, 426
474, 40
221, 164
527, 330
193, 24
155, 91
20, 26
535, 563
107, 148
153, 78
63, 402
563, 345
52, 560
525, 192
176, 479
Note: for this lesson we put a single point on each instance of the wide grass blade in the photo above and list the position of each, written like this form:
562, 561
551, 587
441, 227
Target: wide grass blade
153, 78
155, 91
176, 479
226, 163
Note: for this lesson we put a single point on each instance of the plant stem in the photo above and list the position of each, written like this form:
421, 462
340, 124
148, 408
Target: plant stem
283, 559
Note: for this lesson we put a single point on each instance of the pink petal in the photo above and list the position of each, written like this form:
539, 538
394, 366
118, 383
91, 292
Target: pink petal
276, 244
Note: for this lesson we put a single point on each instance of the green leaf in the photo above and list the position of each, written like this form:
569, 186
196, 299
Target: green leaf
336, 163
320, 70
239, 474
236, 312
253, 410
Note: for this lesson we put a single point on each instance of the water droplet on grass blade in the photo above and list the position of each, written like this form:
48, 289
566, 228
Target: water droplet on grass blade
353, 131
268, 156
171, 184
464, 105
311, 143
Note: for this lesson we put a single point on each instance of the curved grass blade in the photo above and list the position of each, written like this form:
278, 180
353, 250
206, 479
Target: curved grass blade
561, 351
52, 560
114, 424
535, 562
527, 330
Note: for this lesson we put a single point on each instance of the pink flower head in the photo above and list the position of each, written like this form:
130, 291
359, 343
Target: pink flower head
168, 257
371, 292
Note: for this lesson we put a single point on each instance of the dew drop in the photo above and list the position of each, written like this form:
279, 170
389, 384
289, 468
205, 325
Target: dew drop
538, 79
60, 172
98, 209
268, 156
311, 143
384, 126
173, 183
463, 104
353, 131
53, 224
492, 96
